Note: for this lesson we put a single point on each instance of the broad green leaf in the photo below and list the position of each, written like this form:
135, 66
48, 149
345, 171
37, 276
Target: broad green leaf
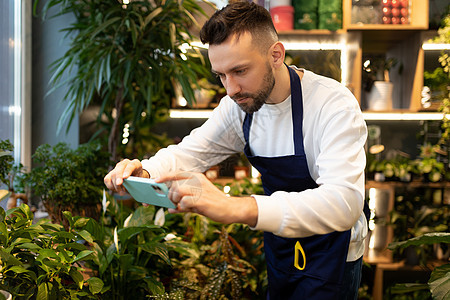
126, 233
77, 277
48, 253
110, 253
86, 236
43, 292
155, 286
4, 234
426, 239
84, 255
157, 249
8, 258
404, 288
182, 247
440, 282
68, 215
64, 235
51, 226
18, 269
30, 246
81, 222
126, 260
95, 285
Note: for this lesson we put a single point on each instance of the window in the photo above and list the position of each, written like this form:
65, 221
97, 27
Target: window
13, 74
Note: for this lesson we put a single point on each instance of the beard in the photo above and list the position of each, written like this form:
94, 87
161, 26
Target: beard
260, 97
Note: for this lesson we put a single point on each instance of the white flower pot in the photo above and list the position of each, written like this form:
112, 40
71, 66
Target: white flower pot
380, 96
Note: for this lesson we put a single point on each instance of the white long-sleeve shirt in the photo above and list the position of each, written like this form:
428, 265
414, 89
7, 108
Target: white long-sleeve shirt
334, 134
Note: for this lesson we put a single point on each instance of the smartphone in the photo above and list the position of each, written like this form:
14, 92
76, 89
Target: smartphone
146, 190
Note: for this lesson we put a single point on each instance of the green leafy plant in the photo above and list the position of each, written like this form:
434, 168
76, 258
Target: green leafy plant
228, 262
129, 251
439, 282
397, 168
414, 215
11, 174
125, 58
427, 166
69, 179
439, 81
41, 260
6, 162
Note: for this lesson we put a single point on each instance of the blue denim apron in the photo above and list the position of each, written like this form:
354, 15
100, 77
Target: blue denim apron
298, 268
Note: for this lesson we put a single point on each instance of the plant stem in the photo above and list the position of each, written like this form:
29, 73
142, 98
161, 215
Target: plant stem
113, 135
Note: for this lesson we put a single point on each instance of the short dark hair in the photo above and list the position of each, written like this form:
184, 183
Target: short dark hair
237, 18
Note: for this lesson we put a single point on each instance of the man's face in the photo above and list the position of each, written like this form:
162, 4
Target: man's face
245, 73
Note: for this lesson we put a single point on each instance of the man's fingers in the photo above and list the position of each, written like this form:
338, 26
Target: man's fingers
123, 169
173, 177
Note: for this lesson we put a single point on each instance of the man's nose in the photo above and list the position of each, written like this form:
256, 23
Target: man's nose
232, 86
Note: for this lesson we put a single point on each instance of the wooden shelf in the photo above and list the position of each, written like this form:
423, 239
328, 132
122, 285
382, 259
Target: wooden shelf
412, 184
383, 27
418, 18
311, 32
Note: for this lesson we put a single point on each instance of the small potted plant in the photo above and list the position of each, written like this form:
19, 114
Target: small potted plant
377, 83
68, 179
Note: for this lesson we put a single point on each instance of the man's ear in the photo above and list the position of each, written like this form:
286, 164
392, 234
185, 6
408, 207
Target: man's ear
277, 54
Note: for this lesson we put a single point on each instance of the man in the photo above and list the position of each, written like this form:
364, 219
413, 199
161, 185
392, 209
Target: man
303, 132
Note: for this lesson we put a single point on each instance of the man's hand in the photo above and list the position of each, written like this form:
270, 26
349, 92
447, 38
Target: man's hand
193, 192
124, 169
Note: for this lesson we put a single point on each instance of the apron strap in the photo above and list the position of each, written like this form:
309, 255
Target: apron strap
297, 111
246, 128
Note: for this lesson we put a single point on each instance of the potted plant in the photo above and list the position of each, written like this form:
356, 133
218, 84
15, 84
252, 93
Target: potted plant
68, 179
377, 83
127, 55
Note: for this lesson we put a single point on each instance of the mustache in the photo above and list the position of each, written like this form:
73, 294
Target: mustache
242, 96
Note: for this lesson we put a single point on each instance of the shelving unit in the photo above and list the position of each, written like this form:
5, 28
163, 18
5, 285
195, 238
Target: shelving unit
357, 40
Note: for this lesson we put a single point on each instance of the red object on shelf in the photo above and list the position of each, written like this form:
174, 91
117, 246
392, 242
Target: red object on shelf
404, 12
395, 12
282, 17
404, 3
387, 11
395, 20
395, 3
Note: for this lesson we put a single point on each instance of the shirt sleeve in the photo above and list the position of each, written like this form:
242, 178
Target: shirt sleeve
336, 158
214, 141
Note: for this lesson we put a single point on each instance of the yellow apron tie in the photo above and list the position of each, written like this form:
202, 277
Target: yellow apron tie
298, 248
